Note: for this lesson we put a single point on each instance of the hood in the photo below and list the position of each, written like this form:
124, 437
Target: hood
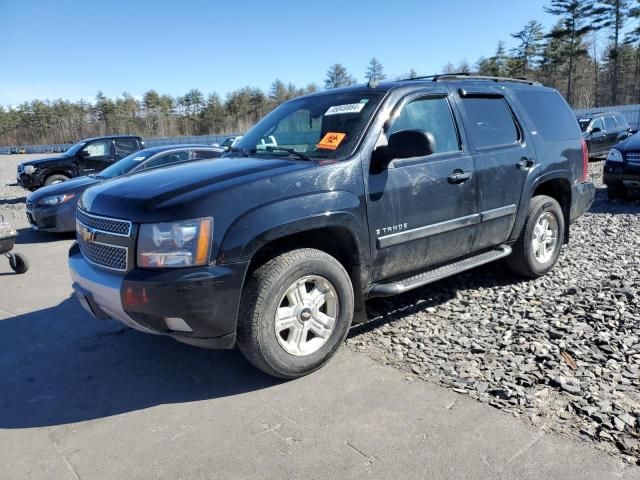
165, 190
630, 143
43, 161
75, 185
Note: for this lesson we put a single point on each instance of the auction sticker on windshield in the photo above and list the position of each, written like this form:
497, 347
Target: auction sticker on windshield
348, 108
331, 140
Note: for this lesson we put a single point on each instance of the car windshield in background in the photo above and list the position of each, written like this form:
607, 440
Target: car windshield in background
321, 126
73, 149
125, 165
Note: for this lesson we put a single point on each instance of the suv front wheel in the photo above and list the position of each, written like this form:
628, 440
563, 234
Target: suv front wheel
538, 247
296, 311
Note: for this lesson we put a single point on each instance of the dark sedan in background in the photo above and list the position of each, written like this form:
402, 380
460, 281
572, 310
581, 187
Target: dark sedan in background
53, 208
602, 131
622, 168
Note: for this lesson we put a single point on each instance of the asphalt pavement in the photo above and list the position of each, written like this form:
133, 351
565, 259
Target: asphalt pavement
87, 399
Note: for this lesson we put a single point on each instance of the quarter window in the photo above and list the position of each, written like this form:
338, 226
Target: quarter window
491, 123
429, 114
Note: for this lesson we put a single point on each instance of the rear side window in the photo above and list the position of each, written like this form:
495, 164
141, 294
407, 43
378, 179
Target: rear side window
198, 154
126, 146
610, 124
429, 114
622, 121
491, 122
552, 117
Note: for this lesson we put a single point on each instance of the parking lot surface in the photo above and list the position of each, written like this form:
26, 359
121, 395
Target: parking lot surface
84, 399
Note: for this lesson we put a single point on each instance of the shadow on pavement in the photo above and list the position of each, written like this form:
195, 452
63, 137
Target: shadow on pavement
29, 235
59, 366
602, 204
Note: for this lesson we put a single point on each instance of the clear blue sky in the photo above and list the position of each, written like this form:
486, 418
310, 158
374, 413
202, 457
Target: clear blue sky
71, 49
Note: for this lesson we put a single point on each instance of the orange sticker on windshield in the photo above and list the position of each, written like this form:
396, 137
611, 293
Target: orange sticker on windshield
331, 140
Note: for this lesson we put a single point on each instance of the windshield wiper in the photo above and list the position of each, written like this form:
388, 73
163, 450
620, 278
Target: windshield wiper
244, 151
288, 150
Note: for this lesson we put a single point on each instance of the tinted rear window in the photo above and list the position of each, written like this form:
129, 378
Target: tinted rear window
622, 121
551, 115
492, 123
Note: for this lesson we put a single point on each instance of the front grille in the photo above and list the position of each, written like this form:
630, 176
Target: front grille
109, 256
100, 240
113, 226
633, 158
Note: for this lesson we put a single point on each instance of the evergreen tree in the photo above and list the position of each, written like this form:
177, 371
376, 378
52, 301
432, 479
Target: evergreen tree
528, 50
337, 76
375, 71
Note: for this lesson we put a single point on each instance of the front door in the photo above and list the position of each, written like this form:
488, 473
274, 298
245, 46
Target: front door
503, 160
98, 156
422, 210
596, 138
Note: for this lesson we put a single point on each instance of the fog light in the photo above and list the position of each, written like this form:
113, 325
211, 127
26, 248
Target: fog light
177, 324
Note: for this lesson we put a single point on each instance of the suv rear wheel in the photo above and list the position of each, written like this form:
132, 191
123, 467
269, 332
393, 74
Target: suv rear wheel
538, 247
296, 311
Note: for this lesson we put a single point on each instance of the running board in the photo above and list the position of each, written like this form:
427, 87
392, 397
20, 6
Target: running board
415, 281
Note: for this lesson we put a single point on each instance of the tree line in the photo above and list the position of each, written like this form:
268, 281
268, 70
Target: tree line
591, 55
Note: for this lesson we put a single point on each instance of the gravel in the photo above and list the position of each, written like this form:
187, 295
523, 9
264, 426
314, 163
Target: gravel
12, 196
562, 351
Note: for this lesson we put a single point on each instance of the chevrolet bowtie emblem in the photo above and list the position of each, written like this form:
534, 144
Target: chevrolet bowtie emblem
87, 234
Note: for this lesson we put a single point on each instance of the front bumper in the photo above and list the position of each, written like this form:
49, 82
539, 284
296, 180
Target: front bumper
616, 173
56, 218
582, 196
30, 182
198, 306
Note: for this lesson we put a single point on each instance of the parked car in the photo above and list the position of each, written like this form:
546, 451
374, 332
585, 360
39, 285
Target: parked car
53, 208
622, 168
88, 156
603, 130
229, 142
373, 190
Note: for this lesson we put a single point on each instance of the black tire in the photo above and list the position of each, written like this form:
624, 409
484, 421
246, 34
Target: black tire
261, 298
18, 263
523, 260
56, 178
616, 191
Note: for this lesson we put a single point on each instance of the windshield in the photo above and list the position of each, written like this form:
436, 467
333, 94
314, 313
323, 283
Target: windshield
584, 123
73, 149
323, 126
126, 164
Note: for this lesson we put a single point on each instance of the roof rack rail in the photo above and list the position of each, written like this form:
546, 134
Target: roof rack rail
471, 76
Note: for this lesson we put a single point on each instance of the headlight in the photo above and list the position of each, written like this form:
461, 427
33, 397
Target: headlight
614, 155
29, 169
56, 199
186, 243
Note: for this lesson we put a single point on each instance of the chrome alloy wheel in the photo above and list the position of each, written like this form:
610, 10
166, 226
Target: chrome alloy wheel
306, 315
545, 237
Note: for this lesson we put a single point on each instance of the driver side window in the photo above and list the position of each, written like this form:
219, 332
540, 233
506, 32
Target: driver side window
597, 123
98, 149
429, 114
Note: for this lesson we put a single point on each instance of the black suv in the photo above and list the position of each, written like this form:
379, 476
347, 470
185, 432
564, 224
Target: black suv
602, 131
369, 191
88, 156
622, 168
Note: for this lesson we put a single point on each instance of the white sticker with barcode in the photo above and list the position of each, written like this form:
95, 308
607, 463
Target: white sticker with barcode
348, 108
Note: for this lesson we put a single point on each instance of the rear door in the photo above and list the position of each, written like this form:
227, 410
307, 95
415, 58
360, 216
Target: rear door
419, 214
502, 158
98, 155
611, 132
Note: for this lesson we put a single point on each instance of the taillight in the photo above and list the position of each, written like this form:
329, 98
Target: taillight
585, 161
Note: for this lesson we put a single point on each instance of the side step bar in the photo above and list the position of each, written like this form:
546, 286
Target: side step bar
415, 281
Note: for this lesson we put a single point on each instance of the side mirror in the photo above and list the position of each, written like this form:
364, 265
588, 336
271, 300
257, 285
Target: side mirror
82, 154
596, 130
405, 144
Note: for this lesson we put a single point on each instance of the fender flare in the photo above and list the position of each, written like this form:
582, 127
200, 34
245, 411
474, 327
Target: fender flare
285, 217
527, 194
